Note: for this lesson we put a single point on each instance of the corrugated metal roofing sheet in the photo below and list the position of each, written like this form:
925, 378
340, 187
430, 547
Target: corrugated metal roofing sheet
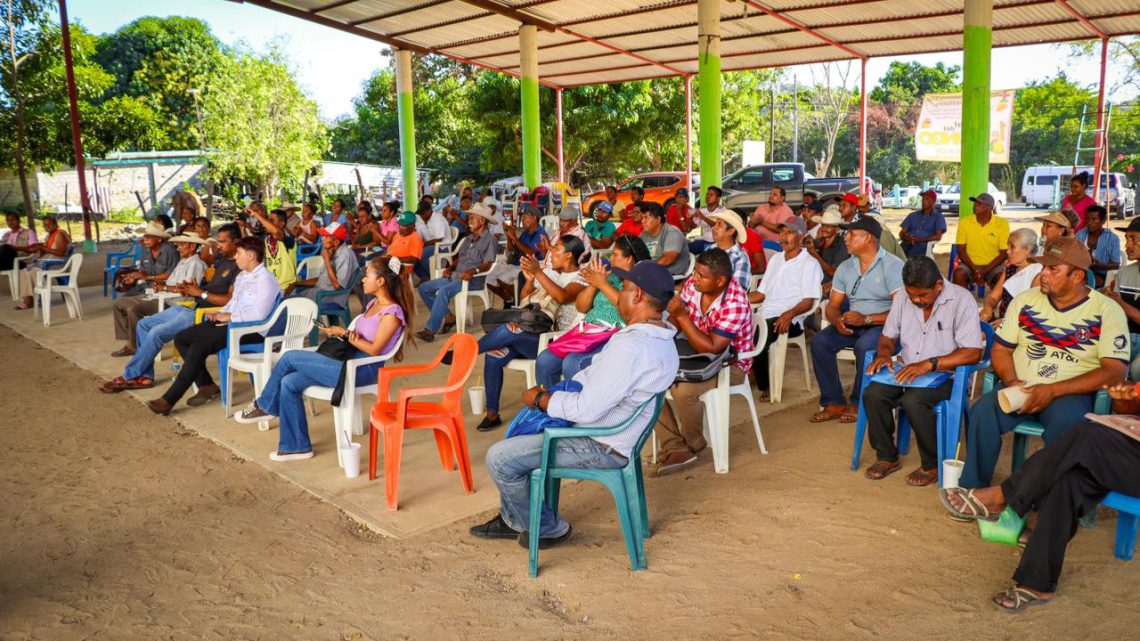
604, 41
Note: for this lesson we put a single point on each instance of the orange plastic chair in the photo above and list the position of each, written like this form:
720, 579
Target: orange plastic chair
445, 417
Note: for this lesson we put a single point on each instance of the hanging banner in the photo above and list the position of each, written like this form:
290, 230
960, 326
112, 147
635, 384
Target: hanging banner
939, 133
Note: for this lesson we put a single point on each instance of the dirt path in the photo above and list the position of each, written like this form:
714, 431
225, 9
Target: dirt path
117, 526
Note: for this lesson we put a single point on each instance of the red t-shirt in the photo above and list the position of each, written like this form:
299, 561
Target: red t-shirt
675, 217
754, 244
628, 227
628, 211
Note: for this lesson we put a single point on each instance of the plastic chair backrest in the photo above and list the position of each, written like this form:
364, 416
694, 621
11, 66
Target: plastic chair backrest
773, 245
299, 316
760, 332
989, 333
464, 352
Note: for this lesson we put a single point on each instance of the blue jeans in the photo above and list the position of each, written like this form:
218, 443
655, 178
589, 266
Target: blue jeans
825, 345
151, 334
550, 367
282, 396
422, 266
987, 423
520, 345
437, 294
510, 462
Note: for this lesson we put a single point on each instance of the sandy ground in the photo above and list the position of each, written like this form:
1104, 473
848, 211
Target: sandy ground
117, 524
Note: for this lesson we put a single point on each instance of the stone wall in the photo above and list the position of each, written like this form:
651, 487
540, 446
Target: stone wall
115, 186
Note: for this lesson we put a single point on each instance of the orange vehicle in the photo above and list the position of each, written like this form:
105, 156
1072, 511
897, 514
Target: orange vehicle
660, 187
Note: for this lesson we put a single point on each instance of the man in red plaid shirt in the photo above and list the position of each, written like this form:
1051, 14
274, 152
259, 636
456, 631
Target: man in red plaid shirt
712, 313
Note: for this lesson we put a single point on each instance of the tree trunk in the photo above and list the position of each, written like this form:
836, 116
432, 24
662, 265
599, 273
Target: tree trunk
18, 99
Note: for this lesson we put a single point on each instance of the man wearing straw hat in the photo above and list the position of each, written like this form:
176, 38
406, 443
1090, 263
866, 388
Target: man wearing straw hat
155, 331
158, 258
728, 234
936, 326
476, 254
1058, 345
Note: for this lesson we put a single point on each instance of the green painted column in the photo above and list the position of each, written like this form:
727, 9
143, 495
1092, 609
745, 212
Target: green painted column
406, 116
977, 41
709, 91
531, 143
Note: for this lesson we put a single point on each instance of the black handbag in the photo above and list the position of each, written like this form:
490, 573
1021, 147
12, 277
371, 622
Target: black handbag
337, 349
697, 367
492, 318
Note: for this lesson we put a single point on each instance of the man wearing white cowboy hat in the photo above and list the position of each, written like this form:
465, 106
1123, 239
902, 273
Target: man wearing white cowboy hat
155, 331
476, 254
158, 258
828, 248
728, 233
496, 229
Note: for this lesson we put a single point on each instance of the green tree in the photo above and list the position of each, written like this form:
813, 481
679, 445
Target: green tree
263, 128
21, 19
168, 63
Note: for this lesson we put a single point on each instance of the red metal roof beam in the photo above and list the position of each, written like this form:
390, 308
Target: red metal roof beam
804, 28
1082, 19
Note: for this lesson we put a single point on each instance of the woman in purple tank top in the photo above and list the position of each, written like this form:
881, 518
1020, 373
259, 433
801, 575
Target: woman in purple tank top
376, 332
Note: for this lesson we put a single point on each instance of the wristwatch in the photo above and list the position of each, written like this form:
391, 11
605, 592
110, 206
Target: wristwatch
868, 321
204, 296
934, 364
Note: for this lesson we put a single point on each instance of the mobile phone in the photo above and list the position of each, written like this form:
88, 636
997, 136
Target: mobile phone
321, 324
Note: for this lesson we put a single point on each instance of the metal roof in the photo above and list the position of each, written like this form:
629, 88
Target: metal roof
585, 42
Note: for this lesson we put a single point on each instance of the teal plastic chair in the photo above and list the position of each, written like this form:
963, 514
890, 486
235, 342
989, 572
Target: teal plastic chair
336, 313
627, 484
117, 261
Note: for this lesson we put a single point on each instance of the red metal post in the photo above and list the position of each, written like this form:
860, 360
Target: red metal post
863, 126
689, 137
1101, 134
73, 103
558, 128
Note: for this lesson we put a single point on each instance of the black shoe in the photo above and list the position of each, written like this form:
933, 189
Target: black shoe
524, 540
488, 424
496, 528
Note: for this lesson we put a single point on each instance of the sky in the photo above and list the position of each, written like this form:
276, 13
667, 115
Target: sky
332, 66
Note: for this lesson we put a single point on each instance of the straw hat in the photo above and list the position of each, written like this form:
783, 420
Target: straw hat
155, 228
483, 211
828, 218
189, 237
732, 220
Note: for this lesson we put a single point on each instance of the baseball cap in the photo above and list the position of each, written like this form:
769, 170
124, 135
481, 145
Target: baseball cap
985, 199
605, 206
650, 277
851, 198
568, 213
336, 230
795, 223
1065, 251
682, 192
406, 218
929, 192
865, 223
1057, 218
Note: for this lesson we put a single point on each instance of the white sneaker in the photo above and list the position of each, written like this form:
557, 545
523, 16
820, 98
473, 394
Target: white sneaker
295, 456
253, 414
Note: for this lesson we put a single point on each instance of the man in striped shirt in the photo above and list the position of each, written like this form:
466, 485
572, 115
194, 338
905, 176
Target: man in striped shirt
636, 364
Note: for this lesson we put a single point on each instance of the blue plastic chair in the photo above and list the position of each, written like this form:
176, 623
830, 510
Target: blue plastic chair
627, 484
117, 261
307, 251
336, 313
1129, 509
979, 290
948, 414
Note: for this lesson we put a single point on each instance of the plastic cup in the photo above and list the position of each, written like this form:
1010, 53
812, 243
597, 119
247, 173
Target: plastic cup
1010, 399
478, 399
350, 458
951, 473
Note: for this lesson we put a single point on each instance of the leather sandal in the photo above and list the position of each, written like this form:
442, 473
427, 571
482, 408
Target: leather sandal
829, 413
880, 470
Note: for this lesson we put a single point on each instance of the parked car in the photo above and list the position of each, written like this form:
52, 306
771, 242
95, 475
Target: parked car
748, 188
1121, 194
1039, 182
902, 197
948, 200
660, 187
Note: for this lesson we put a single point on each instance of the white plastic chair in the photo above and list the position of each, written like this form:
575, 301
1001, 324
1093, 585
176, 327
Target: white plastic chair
527, 365
311, 266
444, 249
688, 271
351, 410
754, 281
14, 278
46, 286
300, 314
465, 296
777, 356
550, 224
716, 401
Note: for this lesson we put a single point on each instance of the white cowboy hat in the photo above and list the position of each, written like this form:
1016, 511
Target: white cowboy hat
189, 237
483, 211
828, 218
155, 228
732, 220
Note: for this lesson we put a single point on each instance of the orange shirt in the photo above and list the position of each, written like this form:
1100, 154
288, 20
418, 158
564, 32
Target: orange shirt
406, 246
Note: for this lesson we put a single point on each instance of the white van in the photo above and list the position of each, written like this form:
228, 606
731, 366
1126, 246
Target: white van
1039, 181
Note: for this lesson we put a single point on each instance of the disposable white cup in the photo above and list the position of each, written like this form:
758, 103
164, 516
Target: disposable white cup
951, 473
478, 399
1010, 399
350, 458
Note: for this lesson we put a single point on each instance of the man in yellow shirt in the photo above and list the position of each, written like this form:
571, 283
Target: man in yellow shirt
983, 245
1059, 343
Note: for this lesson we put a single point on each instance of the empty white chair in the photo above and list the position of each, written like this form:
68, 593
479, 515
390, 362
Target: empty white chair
527, 365
300, 314
716, 402
550, 224
13, 278
47, 284
350, 414
688, 271
444, 249
777, 357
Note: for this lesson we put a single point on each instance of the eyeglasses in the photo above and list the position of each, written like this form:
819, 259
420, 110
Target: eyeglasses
855, 286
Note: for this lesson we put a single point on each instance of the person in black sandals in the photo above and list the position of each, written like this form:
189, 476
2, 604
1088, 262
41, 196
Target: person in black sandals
476, 254
936, 325
1062, 482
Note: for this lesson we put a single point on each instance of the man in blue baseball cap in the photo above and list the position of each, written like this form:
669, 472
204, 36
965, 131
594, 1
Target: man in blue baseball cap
599, 229
638, 363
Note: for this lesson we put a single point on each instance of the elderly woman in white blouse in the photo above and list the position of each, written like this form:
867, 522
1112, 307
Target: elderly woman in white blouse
1020, 274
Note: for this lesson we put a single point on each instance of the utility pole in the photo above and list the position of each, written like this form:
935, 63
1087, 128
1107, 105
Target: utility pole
795, 119
772, 126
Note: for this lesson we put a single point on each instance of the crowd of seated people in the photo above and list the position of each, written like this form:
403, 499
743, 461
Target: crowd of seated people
1058, 340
